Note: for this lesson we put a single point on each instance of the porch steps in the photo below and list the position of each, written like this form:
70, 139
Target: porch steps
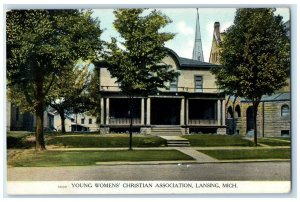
176, 141
167, 131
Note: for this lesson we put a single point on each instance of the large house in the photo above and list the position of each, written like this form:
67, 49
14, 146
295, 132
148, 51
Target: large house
192, 104
273, 116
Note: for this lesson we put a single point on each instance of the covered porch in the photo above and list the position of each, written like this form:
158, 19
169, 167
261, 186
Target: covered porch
155, 111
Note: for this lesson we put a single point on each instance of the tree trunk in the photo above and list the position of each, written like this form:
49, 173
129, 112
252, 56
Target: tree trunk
255, 106
233, 111
39, 113
39, 133
131, 119
62, 118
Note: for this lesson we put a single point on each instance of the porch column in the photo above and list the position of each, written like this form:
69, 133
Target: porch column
142, 111
187, 111
182, 112
107, 111
148, 111
219, 112
101, 111
223, 113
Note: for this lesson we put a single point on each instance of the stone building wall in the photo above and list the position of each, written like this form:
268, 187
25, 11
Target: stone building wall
270, 122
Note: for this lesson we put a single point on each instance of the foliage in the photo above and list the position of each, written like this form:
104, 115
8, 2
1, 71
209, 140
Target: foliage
137, 65
255, 54
93, 94
254, 57
69, 94
41, 46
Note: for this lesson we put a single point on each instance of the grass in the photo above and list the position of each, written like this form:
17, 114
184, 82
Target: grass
274, 142
217, 140
19, 140
108, 141
84, 158
19, 134
282, 153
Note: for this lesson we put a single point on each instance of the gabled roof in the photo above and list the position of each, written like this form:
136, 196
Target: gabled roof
182, 63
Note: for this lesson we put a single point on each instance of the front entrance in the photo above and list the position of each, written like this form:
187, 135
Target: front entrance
165, 111
250, 119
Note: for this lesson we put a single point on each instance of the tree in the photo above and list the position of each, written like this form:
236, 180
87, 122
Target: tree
41, 46
254, 57
69, 93
138, 65
93, 94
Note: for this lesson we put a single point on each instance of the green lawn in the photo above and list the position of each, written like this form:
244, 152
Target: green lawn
287, 138
217, 140
274, 142
98, 141
84, 158
19, 134
19, 140
282, 153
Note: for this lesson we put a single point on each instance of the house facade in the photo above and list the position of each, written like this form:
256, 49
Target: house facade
191, 104
16, 120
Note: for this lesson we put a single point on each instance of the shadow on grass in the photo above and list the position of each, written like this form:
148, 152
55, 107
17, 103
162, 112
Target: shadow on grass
19, 143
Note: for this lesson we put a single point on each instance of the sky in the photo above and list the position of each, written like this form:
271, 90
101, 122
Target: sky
184, 23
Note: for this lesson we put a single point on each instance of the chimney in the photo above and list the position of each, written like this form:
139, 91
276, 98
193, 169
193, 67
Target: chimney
217, 32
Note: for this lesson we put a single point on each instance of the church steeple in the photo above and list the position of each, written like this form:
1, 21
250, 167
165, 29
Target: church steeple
198, 52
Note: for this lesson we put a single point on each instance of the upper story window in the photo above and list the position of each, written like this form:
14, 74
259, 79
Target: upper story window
82, 121
285, 110
198, 83
90, 121
174, 85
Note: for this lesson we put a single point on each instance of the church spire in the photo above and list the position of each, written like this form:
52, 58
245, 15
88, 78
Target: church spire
197, 52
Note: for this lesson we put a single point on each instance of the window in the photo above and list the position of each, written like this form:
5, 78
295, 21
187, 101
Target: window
17, 114
198, 84
72, 120
82, 121
229, 112
90, 121
285, 110
173, 85
285, 133
238, 111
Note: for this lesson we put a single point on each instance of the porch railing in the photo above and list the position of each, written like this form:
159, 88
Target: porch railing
124, 121
203, 122
178, 89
